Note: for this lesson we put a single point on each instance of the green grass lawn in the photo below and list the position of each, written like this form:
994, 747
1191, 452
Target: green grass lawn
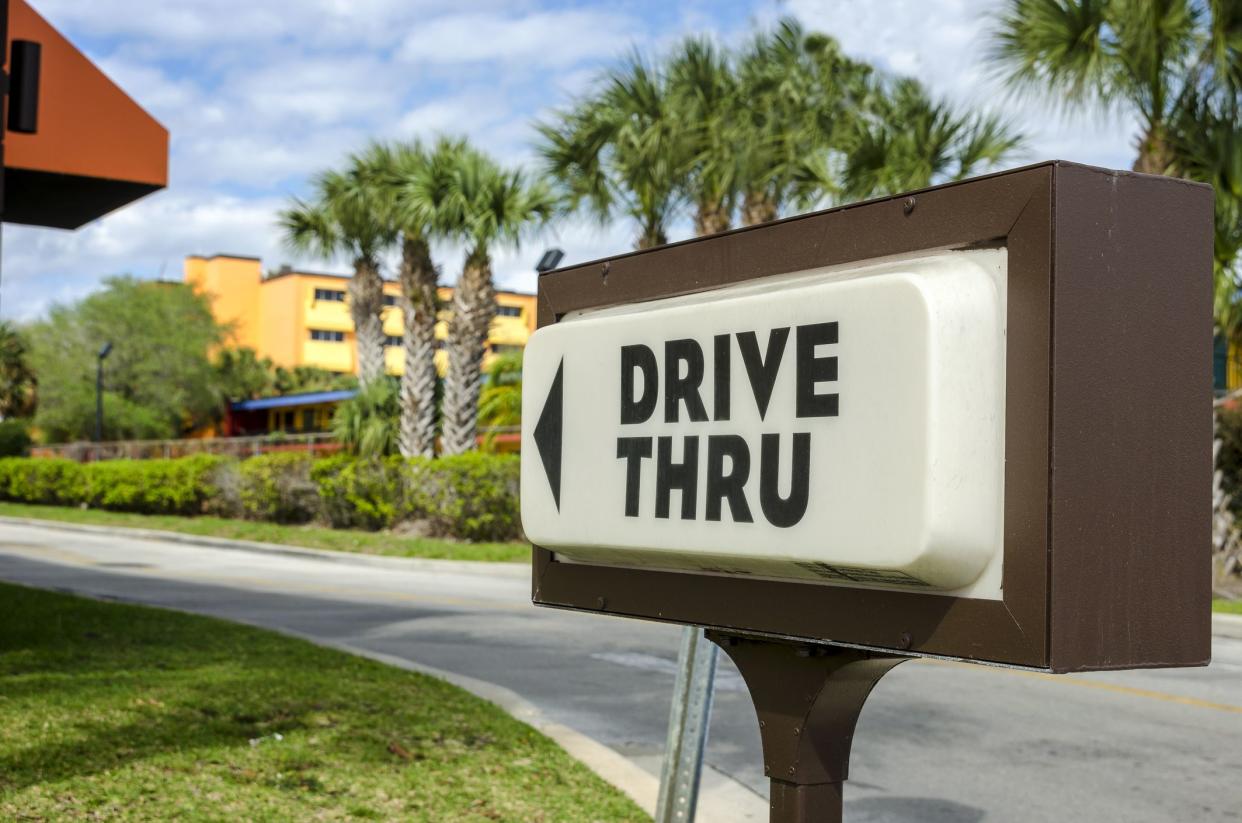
314, 537
122, 712
1227, 606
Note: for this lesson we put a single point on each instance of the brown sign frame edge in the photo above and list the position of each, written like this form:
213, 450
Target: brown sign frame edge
1016, 209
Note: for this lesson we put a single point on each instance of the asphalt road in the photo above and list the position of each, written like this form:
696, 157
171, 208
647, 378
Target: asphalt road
936, 742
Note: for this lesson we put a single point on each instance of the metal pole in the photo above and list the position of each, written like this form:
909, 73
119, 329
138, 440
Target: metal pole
99, 400
687, 728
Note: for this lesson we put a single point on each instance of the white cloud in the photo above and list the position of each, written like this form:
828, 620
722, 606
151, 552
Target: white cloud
552, 38
260, 94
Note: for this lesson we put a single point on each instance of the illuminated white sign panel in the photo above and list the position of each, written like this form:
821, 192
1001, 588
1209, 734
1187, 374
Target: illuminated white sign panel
843, 425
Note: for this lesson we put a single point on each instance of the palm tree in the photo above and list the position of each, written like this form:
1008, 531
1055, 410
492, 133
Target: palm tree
1206, 141
705, 93
500, 404
1175, 62
417, 183
1150, 54
623, 151
500, 207
347, 215
17, 379
906, 140
798, 93
366, 424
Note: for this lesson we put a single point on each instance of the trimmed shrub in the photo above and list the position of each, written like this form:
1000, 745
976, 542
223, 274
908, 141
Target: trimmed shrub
470, 496
278, 487
14, 438
358, 493
180, 486
37, 480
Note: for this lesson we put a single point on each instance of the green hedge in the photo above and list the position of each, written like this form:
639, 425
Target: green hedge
145, 486
469, 497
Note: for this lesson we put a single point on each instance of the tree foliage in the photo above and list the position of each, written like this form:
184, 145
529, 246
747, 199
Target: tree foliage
366, 425
785, 122
240, 374
17, 377
1176, 63
158, 380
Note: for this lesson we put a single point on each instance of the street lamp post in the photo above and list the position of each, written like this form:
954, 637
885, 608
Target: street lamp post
104, 351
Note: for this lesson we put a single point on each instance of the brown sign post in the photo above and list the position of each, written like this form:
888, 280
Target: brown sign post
1102, 551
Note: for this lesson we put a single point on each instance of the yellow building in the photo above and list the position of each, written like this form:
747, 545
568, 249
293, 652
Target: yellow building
301, 318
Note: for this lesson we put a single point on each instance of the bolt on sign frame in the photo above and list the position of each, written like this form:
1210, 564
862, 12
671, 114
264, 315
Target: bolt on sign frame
1108, 424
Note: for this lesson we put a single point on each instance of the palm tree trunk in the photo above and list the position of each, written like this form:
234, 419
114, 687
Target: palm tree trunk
417, 436
650, 238
758, 208
711, 218
474, 306
1155, 156
366, 304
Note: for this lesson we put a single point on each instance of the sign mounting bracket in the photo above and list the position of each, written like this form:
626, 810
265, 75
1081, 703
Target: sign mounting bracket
808, 699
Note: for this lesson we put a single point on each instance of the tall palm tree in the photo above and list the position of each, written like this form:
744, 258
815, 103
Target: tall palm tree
705, 94
424, 205
1149, 54
1177, 63
500, 207
347, 215
798, 93
623, 150
907, 140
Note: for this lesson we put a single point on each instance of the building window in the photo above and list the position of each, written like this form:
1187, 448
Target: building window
331, 295
392, 340
508, 311
327, 336
390, 300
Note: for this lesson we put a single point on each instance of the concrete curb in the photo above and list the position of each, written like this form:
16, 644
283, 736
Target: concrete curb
495, 569
1227, 625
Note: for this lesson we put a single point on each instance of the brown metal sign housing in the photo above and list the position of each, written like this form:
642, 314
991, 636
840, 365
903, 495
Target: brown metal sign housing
1108, 423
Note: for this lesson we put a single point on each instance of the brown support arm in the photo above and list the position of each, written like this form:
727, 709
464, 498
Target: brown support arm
808, 699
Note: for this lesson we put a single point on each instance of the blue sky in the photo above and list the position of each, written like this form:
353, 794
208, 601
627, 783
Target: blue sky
260, 94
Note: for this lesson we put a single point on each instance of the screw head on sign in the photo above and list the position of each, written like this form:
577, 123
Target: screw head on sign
601, 602
903, 642
908, 205
792, 770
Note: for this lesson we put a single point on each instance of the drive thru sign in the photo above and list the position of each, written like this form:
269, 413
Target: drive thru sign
844, 424
971, 422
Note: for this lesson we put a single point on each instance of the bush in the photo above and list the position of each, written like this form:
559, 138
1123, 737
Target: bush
278, 487
181, 486
48, 481
14, 438
359, 493
470, 496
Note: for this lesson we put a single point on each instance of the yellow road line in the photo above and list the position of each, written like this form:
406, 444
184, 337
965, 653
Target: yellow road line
1131, 691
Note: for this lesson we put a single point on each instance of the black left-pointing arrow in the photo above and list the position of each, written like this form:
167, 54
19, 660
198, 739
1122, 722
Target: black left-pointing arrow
548, 433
